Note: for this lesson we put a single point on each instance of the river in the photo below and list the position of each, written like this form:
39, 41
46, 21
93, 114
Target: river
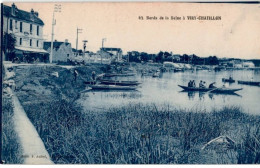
165, 91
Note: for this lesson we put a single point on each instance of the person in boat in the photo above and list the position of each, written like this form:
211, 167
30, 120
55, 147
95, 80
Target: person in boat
202, 84
193, 83
190, 84
230, 78
212, 85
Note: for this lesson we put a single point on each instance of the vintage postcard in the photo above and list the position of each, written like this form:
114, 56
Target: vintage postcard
130, 83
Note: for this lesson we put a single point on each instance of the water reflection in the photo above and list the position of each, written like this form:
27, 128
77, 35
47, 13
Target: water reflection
191, 95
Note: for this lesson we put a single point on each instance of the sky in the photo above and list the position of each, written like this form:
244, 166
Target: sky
236, 35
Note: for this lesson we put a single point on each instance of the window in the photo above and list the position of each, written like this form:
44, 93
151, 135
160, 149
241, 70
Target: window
31, 28
21, 26
11, 24
30, 42
16, 25
21, 41
37, 30
37, 43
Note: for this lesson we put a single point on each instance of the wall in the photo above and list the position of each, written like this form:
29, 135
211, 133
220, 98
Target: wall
62, 53
25, 34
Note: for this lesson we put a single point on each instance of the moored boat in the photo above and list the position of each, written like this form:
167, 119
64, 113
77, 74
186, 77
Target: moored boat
156, 74
178, 70
121, 83
228, 80
249, 83
112, 87
213, 90
118, 74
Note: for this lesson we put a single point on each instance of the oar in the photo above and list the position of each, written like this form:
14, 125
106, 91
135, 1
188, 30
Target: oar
212, 90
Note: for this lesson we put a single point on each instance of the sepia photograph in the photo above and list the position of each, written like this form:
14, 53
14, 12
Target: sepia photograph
130, 83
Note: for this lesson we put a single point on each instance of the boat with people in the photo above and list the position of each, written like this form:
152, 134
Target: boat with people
213, 90
229, 80
254, 83
121, 83
111, 87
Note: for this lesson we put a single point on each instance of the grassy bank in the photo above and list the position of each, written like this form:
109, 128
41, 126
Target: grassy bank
144, 134
12, 151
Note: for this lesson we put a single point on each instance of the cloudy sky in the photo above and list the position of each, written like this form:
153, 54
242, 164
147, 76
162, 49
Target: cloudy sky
236, 35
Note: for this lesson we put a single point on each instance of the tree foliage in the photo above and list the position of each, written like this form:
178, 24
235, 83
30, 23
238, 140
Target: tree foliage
9, 41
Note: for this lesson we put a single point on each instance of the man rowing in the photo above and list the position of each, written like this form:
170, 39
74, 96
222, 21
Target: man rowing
212, 85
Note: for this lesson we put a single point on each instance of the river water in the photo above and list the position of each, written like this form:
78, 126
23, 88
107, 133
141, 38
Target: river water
165, 91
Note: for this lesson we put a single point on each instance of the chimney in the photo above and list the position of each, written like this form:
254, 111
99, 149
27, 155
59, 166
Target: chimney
13, 9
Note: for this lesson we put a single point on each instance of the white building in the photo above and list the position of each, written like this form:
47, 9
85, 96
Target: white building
27, 28
111, 53
248, 64
62, 51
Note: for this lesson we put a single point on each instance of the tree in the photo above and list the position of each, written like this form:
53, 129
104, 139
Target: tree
144, 56
9, 41
159, 57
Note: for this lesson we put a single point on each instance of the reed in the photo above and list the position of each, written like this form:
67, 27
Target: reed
11, 147
133, 134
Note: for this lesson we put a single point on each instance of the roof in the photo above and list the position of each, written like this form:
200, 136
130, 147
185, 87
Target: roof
22, 15
35, 50
56, 45
111, 49
74, 50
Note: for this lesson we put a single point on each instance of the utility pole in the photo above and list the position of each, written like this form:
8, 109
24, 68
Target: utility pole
78, 31
84, 46
57, 8
103, 39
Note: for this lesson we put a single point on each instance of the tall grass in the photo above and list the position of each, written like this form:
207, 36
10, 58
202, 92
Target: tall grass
11, 151
134, 134
249, 149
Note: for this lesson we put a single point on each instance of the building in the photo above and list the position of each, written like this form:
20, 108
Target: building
111, 53
77, 52
62, 51
27, 28
248, 64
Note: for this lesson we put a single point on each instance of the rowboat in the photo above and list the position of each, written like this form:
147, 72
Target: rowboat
178, 70
121, 83
156, 74
249, 83
212, 90
90, 82
112, 87
118, 74
228, 80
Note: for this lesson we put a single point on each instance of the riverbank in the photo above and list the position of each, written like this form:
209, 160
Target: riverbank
133, 134
12, 150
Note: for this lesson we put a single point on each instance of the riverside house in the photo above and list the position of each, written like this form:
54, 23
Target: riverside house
111, 53
27, 28
62, 51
